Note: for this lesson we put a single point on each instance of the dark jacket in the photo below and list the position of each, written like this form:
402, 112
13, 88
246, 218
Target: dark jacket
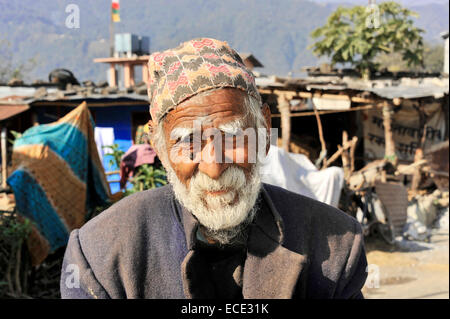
142, 247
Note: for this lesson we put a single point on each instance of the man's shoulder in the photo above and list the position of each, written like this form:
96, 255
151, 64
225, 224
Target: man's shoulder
134, 211
124, 234
301, 213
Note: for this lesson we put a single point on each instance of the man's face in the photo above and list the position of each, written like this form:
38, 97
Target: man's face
214, 179
214, 110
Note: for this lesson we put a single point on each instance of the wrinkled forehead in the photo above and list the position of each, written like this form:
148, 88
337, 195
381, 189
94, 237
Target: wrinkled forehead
214, 109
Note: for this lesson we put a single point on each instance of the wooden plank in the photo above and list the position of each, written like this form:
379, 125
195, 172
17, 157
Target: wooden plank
112, 75
309, 113
307, 95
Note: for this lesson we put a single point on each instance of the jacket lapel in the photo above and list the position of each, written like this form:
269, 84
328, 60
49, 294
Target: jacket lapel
271, 270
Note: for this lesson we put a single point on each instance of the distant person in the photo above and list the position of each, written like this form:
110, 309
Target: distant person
215, 231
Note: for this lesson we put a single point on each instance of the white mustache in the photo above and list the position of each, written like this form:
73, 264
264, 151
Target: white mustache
232, 178
224, 210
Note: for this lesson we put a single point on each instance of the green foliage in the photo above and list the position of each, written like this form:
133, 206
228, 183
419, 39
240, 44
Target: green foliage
351, 35
13, 235
15, 135
116, 155
12, 231
433, 60
147, 177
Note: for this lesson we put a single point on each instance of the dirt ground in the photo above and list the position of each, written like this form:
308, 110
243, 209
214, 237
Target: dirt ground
409, 269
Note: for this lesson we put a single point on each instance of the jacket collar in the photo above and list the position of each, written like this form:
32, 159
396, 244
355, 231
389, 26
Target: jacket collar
270, 270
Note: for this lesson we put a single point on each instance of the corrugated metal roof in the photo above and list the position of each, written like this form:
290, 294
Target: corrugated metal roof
388, 89
27, 95
410, 92
8, 111
18, 91
94, 96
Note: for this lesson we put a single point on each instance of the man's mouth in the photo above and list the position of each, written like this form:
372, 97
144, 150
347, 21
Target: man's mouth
217, 193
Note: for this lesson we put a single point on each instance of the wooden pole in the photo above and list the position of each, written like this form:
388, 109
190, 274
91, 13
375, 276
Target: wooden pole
112, 75
111, 35
284, 108
4, 157
127, 75
348, 145
352, 154
418, 156
145, 72
345, 156
389, 151
132, 75
323, 152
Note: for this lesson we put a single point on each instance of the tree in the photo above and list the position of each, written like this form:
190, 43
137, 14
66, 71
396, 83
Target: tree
357, 35
433, 60
434, 57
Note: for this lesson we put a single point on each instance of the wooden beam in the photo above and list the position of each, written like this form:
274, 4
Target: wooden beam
358, 108
284, 108
4, 133
112, 75
352, 154
145, 73
336, 155
91, 103
307, 95
137, 59
345, 156
349, 144
127, 75
323, 152
389, 150
132, 75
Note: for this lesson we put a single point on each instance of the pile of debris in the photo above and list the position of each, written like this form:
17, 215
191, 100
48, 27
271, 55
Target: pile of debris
410, 201
427, 212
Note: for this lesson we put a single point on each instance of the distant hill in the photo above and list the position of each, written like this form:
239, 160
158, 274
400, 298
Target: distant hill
275, 31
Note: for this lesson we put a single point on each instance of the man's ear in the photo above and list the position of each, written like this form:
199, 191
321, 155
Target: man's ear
150, 128
268, 118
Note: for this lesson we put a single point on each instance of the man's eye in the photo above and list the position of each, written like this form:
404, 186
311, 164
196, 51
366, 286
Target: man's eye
184, 140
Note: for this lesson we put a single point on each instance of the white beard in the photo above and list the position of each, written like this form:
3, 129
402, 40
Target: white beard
223, 212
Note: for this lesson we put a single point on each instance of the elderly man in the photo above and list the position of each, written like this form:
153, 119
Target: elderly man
215, 231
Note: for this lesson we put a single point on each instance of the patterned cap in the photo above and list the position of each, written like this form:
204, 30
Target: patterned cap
194, 66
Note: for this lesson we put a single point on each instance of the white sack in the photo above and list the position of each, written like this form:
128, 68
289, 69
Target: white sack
296, 173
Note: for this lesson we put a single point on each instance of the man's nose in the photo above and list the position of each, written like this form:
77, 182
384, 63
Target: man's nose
211, 162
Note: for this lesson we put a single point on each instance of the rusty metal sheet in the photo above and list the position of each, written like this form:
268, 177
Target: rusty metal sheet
8, 111
437, 157
394, 197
